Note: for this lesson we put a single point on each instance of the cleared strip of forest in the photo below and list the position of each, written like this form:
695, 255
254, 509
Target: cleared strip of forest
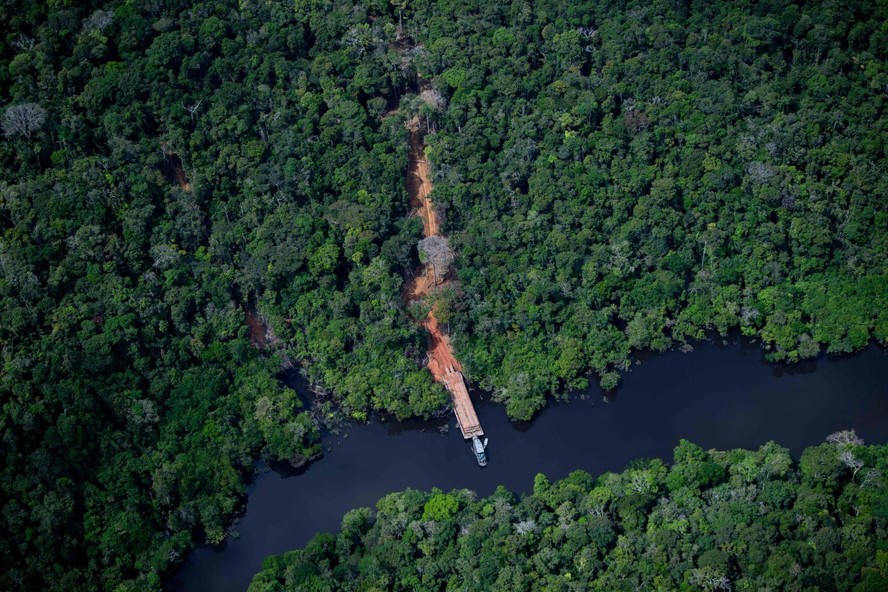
442, 363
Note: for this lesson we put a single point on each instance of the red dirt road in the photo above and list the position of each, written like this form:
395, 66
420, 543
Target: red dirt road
419, 186
442, 363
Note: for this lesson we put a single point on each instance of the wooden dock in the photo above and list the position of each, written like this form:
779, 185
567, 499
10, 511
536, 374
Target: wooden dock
447, 370
462, 404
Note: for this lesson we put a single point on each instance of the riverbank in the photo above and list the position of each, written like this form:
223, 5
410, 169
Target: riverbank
702, 520
720, 396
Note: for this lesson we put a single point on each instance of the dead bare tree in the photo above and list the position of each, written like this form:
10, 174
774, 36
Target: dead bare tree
431, 101
400, 5
435, 251
872, 478
23, 120
849, 460
710, 580
433, 98
23, 43
192, 110
844, 440
587, 32
845, 437
98, 20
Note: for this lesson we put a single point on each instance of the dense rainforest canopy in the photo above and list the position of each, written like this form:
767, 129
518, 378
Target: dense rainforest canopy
615, 176
713, 521
629, 177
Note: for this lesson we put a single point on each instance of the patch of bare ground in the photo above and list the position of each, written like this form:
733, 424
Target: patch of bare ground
178, 170
423, 284
259, 330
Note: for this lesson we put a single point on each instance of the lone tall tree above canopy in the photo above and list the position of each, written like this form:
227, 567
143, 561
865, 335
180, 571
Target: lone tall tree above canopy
435, 251
23, 120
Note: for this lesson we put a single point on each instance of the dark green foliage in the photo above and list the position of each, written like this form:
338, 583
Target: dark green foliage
615, 177
627, 531
196, 160
624, 176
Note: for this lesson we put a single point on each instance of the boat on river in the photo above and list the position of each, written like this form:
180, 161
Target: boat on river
479, 449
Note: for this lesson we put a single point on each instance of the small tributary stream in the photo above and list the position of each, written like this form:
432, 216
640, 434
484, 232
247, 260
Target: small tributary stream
720, 396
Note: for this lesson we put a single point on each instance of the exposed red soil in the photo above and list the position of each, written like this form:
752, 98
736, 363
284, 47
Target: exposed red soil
441, 357
419, 187
260, 332
442, 363
178, 170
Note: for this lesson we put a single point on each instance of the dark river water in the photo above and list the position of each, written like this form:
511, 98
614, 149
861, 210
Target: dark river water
720, 396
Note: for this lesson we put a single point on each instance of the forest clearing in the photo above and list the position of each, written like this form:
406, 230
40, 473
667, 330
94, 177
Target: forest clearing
442, 363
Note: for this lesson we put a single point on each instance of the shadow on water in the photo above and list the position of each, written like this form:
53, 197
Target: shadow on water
609, 396
413, 426
720, 396
296, 381
799, 369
